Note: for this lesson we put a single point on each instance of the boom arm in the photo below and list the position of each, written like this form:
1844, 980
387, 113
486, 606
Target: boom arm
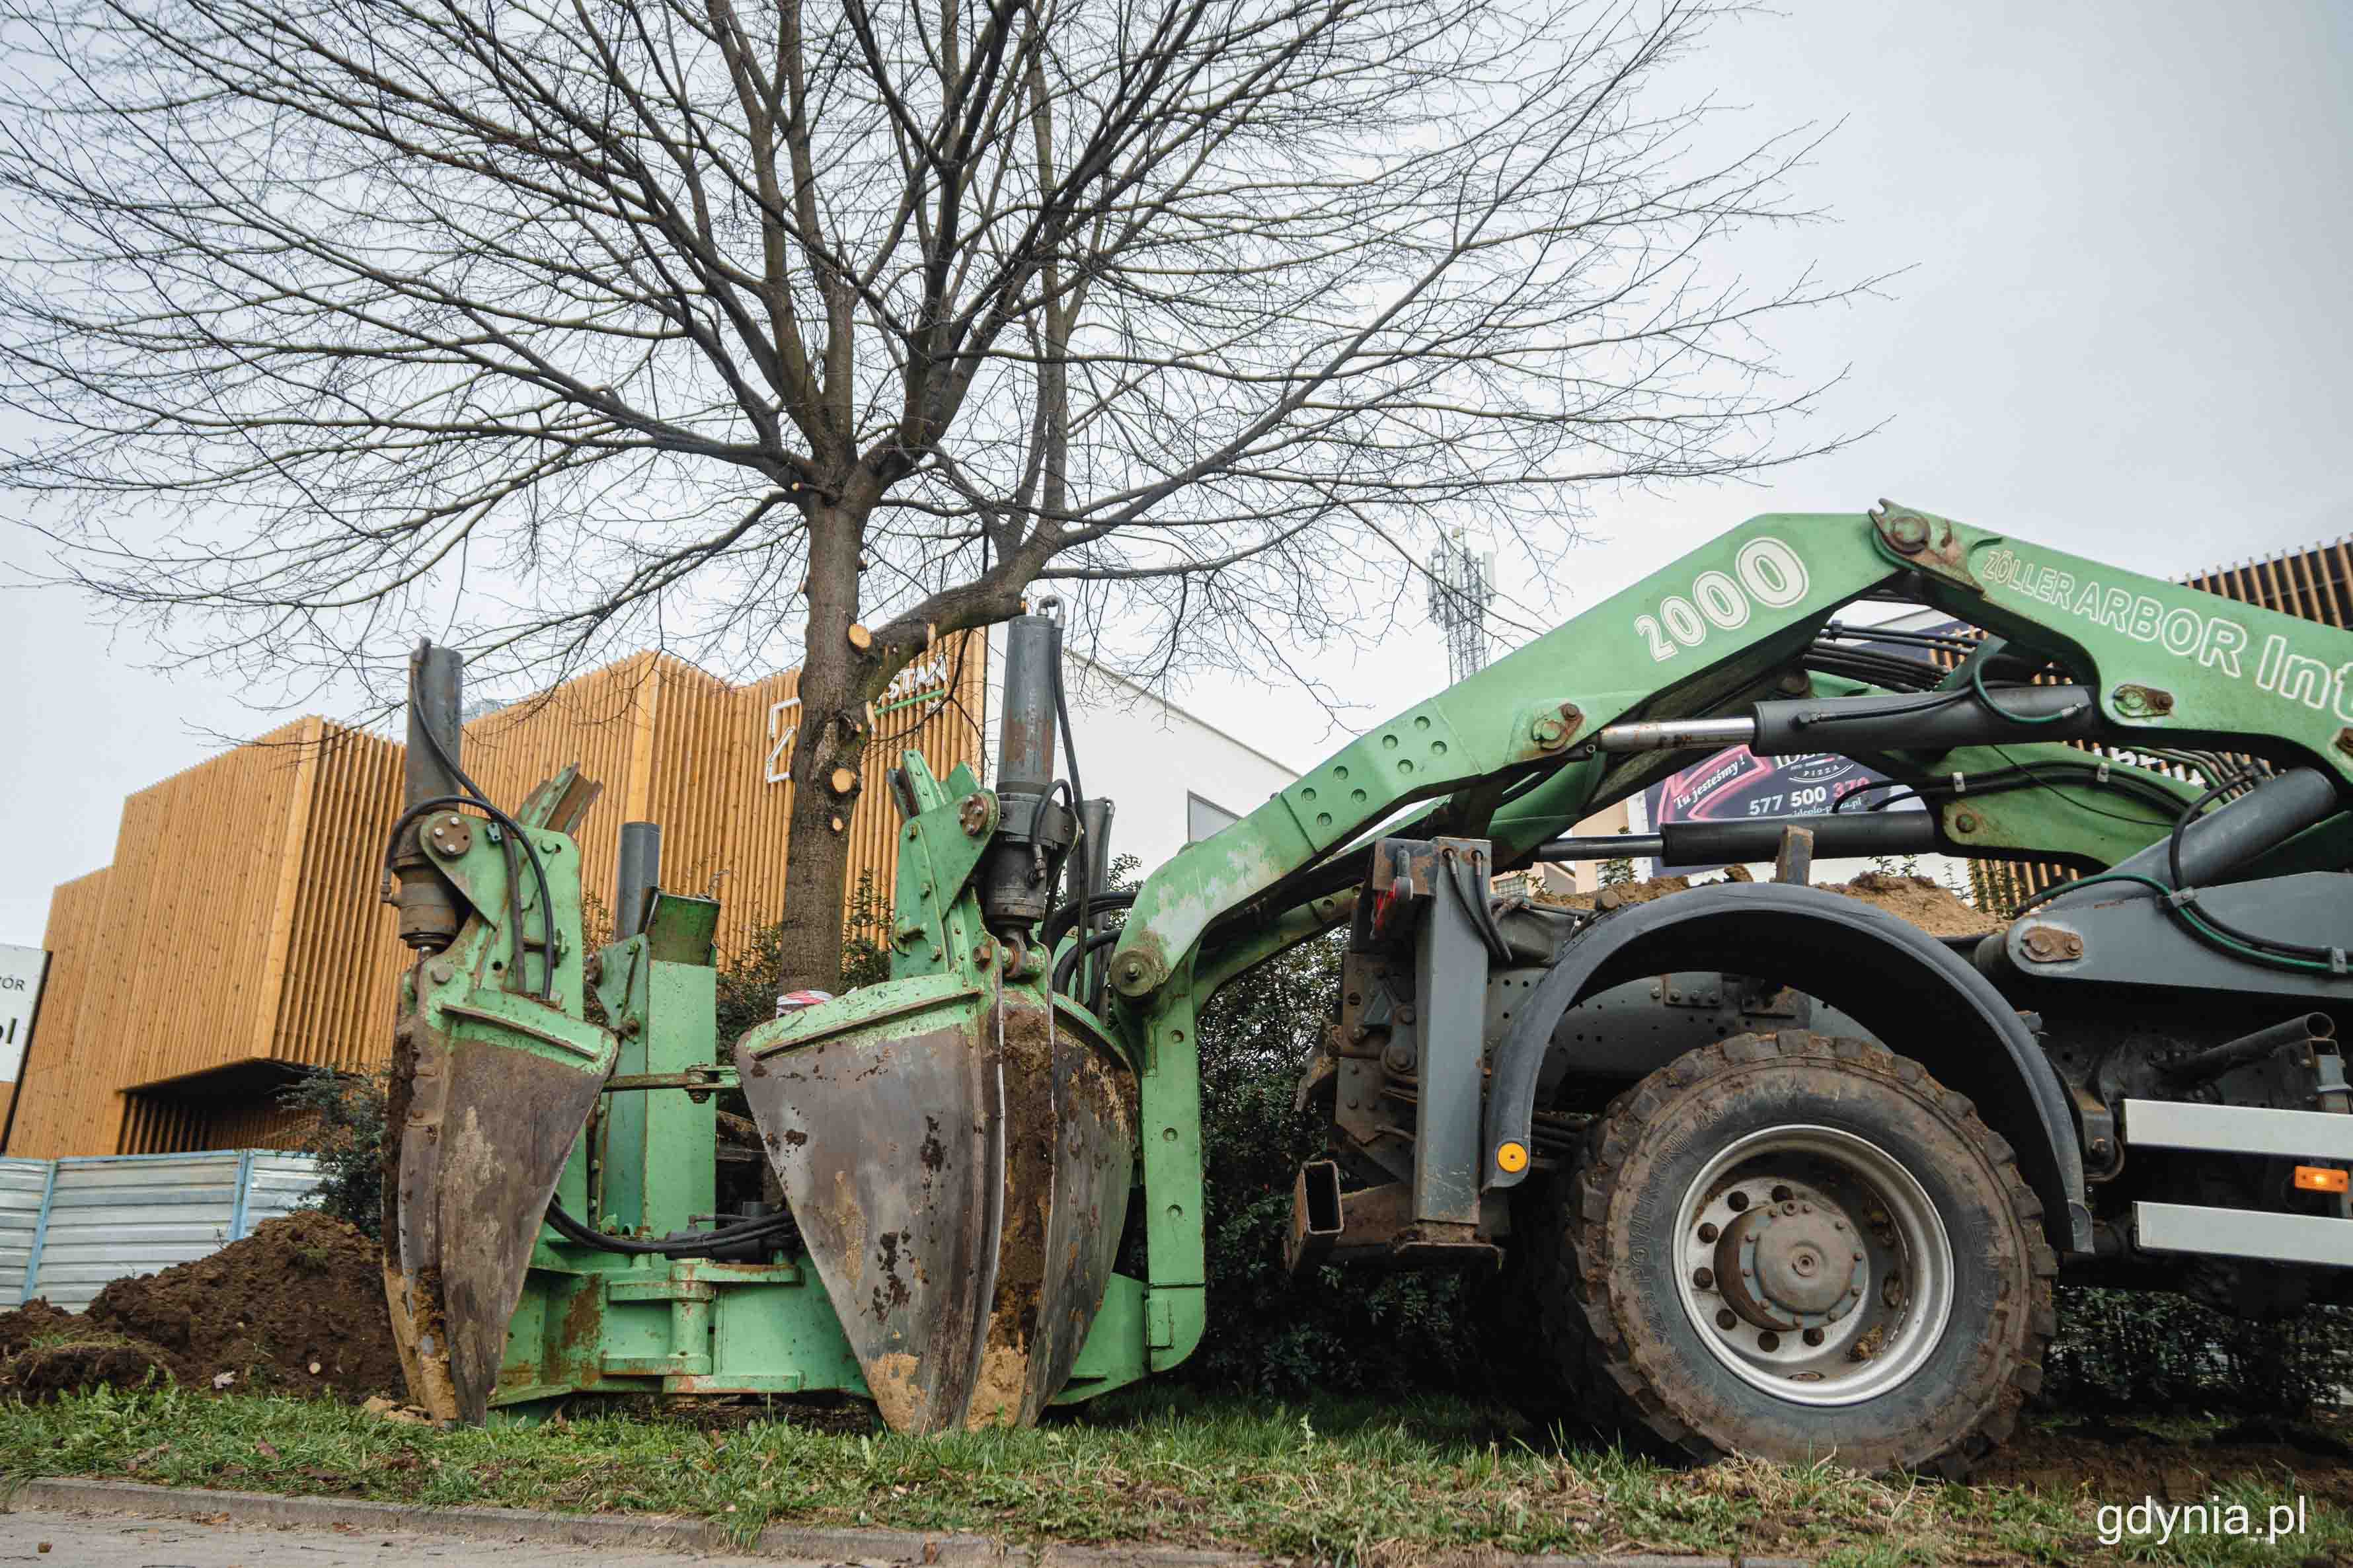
1511, 749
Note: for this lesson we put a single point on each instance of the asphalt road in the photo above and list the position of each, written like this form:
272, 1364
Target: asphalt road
116, 1541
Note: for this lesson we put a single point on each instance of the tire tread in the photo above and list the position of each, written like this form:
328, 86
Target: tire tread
1591, 1348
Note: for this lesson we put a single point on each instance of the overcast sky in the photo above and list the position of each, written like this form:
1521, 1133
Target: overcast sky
2121, 332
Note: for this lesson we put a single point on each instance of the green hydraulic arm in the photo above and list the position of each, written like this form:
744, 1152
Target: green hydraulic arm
1710, 632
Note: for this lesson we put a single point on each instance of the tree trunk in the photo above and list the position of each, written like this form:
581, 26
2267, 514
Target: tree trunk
828, 751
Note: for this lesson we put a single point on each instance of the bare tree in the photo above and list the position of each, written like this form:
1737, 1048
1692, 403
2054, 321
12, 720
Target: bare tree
559, 327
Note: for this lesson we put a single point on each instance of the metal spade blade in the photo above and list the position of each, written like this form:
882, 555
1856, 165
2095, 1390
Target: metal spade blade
959, 1171
485, 1125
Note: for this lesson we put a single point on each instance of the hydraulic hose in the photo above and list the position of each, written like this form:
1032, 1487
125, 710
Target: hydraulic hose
1060, 923
2280, 807
1078, 862
2327, 960
1463, 877
516, 835
1065, 966
761, 1229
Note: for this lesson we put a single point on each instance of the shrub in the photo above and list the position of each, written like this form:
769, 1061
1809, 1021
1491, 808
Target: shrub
345, 1133
2137, 1350
1329, 1328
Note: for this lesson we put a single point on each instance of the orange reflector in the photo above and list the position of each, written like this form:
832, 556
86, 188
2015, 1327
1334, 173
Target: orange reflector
1514, 1158
2320, 1178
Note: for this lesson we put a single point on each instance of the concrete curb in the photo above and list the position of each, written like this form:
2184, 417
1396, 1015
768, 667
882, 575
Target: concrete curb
614, 1531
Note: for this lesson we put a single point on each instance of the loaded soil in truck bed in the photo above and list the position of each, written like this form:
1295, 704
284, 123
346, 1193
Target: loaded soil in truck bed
1916, 899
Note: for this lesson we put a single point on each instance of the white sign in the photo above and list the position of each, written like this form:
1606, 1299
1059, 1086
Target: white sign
931, 672
21, 969
930, 678
782, 728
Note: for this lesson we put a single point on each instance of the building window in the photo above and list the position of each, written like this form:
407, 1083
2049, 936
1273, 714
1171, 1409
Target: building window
1203, 818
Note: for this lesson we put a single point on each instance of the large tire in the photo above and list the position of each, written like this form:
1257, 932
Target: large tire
1773, 1154
1516, 1317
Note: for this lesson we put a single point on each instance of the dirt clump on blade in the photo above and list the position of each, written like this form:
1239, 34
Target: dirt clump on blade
296, 1308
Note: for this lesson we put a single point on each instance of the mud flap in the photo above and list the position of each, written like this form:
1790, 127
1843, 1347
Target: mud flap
490, 1115
958, 1165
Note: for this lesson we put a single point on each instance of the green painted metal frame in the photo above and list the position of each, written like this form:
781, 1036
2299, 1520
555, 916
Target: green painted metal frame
2241, 676
1505, 755
594, 1322
1500, 755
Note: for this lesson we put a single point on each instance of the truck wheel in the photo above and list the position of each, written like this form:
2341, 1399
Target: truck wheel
1515, 1315
1802, 1249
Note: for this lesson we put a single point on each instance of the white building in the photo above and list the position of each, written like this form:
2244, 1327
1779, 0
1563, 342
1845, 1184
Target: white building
1173, 777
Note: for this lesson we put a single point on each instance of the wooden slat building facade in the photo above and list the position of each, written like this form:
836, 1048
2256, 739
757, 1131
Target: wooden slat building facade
237, 936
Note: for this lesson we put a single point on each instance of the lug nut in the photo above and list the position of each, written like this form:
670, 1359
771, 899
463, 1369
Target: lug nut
1725, 1319
1769, 1341
1736, 1201
1703, 1278
1813, 1336
1709, 1233
1781, 1195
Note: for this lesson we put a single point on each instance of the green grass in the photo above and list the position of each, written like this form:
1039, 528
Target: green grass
1346, 1482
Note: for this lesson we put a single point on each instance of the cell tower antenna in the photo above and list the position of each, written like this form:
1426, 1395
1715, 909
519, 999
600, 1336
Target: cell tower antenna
1461, 586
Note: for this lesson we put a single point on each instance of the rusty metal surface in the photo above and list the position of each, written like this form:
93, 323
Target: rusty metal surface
959, 1177
560, 802
484, 1133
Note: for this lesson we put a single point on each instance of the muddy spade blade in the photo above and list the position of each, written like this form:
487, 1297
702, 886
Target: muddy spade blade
486, 1113
959, 1171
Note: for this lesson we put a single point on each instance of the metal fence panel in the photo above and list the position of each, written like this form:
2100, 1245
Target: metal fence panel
277, 1184
135, 1213
69, 1226
24, 1183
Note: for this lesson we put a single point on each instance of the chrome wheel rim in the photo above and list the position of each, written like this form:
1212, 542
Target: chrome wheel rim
1814, 1266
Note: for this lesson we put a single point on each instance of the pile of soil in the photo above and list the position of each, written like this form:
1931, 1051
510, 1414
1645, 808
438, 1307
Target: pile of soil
38, 1321
82, 1357
1916, 899
296, 1308
1624, 893
45, 1350
1933, 909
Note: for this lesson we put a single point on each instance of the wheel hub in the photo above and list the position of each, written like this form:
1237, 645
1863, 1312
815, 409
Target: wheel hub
1792, 1265
1814, 1264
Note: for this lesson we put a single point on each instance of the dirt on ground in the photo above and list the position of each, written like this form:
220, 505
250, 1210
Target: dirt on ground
1935, 909
2118, 1462
37, 1320
46, 1350
296, 1308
